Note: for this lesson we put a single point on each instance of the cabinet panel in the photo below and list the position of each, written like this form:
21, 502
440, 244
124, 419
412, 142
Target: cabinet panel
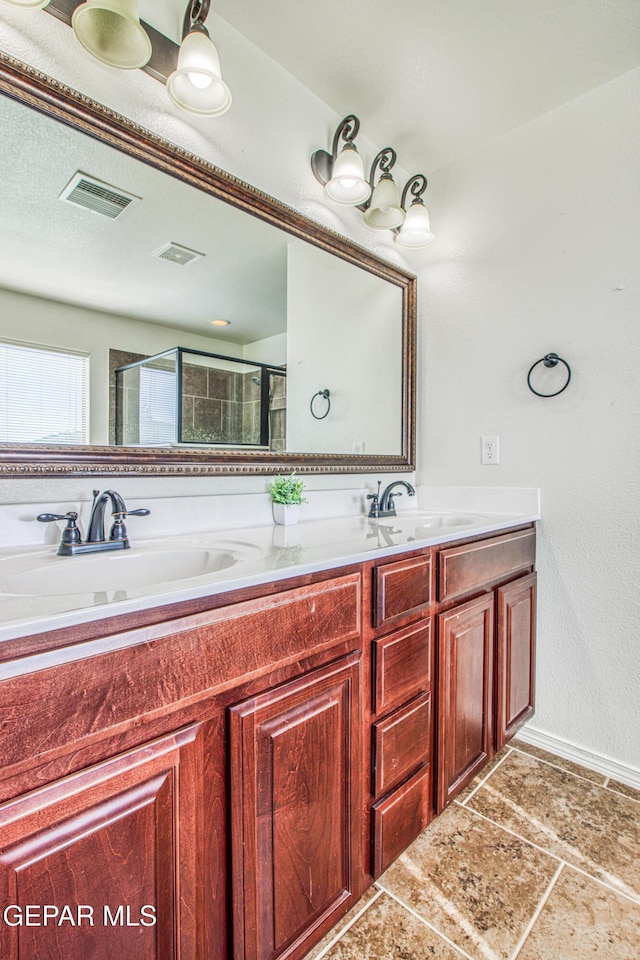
465, 694
118, 847
295, 766
401, 588
200, 654
401, 743
402, 666
474, 566
515, 656
399, 818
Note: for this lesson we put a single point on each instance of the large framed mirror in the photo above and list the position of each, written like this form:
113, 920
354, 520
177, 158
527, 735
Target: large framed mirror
118, 246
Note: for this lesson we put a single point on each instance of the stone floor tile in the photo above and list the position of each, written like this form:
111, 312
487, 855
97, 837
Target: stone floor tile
585, 824
477, 884
389, 932
567, 765
624, 789
484, 773
348, 917
582, 919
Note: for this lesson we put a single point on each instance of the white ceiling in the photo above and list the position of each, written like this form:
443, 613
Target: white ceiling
63, 252
437, 79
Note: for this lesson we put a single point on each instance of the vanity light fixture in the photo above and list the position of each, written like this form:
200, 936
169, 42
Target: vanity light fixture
111, 31
342, 175
416, 228
196, 84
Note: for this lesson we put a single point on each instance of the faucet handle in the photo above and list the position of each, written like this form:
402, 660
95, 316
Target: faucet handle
118, 530
71, 533
374, 510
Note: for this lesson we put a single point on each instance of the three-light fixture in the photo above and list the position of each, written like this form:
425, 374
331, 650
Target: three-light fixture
112, 32
342, 174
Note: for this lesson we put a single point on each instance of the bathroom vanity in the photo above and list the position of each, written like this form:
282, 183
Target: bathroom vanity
224, 776
220, 770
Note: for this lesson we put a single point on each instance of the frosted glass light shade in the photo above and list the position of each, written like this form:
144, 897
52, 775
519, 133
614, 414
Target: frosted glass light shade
416, 229
197, 83
347, 184
384, 212
111, 31
28, 4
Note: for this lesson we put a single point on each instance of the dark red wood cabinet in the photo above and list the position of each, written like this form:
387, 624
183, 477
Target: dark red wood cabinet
225, 783
515, 656
295, 757
465, 691
486, 653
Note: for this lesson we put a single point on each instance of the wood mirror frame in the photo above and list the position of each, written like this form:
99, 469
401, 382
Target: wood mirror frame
27, 85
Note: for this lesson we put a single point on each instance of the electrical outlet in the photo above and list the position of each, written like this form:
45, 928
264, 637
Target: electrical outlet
490, 449
357, 446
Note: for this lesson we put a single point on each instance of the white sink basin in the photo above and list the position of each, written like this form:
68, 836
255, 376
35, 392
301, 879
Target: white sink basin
44, 574
423, 519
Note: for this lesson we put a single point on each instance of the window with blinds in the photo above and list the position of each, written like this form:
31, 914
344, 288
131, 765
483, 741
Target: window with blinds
44, 395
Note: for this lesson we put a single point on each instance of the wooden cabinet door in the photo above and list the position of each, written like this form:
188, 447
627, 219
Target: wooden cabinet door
515, 656
465, 695
295, 755
112, 853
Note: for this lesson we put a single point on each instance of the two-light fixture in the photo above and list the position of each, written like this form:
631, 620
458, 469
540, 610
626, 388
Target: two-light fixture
112, 32
342, 174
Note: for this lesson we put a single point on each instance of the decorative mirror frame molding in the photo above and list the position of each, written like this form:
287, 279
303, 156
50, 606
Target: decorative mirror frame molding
47, 95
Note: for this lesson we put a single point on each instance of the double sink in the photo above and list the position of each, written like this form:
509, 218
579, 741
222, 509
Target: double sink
164, 562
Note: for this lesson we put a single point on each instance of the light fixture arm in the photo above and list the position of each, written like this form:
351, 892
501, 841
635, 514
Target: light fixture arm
416, 186
385, 160
347, 130
194, 17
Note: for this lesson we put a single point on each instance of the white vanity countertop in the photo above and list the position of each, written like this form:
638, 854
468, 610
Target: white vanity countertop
35, 583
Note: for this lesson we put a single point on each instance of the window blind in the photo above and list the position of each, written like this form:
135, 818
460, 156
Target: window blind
44, 395
157, 425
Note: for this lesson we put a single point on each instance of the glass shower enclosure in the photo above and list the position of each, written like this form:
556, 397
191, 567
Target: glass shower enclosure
185, 397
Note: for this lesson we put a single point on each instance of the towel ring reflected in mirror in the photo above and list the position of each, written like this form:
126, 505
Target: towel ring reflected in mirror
325, 394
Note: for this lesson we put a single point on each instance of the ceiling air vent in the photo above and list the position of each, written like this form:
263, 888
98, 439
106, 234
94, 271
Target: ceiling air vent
102, 198
176, 253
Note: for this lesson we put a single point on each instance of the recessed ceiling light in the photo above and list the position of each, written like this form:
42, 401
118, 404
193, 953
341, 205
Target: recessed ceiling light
220, 323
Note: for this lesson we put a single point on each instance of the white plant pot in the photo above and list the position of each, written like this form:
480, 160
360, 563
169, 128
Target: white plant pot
286, 514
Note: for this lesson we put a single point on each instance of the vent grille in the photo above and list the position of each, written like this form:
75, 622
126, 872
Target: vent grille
176, 253
102, 198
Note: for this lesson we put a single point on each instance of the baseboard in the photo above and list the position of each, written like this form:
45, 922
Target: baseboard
562, 748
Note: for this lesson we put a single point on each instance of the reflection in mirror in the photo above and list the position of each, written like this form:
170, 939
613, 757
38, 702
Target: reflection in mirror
113, 258
185, 397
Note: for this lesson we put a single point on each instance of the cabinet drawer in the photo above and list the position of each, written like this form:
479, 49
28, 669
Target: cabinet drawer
401, 588
398, 819
464, 569
402, 666
401, 744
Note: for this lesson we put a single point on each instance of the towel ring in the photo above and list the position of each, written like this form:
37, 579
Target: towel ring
549, 360
320, 393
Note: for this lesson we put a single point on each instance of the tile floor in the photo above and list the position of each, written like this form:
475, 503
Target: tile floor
538, 859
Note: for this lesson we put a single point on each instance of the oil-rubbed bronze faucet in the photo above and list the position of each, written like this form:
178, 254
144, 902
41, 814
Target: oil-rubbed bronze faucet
72, 543
383, 504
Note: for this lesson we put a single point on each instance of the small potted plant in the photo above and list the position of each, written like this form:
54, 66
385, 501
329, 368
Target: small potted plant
286, 495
